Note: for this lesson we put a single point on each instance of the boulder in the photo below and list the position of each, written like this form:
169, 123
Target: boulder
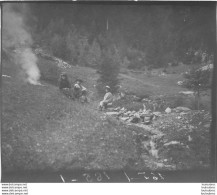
168, 110
122, 109
136, 115
189, 138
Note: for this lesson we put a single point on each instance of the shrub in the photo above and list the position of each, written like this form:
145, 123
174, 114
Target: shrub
109, 71
198, 80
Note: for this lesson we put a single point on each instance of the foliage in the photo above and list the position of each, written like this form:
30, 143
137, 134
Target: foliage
109, 70
198, 80
93, 55
157, 34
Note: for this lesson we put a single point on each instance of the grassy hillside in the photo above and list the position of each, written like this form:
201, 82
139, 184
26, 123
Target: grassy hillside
43, 130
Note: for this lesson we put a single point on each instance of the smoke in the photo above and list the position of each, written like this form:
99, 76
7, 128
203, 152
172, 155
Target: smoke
16, 36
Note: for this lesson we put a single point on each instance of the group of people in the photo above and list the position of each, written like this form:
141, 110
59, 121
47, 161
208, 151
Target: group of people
80, 92
77, 92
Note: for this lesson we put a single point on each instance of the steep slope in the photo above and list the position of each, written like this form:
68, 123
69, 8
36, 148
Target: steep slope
43, 130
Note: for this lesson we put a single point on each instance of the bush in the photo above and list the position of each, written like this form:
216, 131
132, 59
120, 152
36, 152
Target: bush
49, 71
198, 80
109, 70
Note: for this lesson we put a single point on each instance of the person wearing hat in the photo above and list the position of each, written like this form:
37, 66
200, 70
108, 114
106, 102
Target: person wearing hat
80, 91
64, 82
107, 100
64, 85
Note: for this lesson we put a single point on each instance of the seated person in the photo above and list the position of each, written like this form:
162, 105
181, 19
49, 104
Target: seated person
108, 98
64, 85
80, 91
84, 95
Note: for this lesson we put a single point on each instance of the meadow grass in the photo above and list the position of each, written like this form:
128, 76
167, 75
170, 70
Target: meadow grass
44, 130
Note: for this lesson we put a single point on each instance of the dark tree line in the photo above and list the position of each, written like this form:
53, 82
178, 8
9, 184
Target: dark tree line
144, 34
131, 35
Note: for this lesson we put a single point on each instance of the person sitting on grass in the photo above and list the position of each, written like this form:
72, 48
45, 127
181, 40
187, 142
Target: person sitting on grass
80, 92
107, 100
64, 85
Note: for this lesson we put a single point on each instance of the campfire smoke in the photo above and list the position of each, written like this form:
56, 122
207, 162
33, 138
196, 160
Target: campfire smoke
16, 36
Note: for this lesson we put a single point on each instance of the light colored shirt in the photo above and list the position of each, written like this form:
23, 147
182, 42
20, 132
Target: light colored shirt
108, 97
82, 88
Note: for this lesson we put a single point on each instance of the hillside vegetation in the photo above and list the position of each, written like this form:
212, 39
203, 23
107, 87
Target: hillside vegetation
157, 60
43, 130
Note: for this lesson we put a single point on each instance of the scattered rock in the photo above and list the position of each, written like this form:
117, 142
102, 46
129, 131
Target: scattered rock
180, 83
189, 138
144, 100
172, 143
128, 113
117, 109
6, 76
123, 109
124, 118
168, 110
136, 115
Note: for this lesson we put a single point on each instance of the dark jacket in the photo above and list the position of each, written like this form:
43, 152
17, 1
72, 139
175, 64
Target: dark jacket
64, 84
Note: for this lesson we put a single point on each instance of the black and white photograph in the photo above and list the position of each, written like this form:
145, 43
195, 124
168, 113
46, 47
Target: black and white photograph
108, 92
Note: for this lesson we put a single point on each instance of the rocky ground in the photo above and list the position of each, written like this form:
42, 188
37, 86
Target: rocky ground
169, 140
